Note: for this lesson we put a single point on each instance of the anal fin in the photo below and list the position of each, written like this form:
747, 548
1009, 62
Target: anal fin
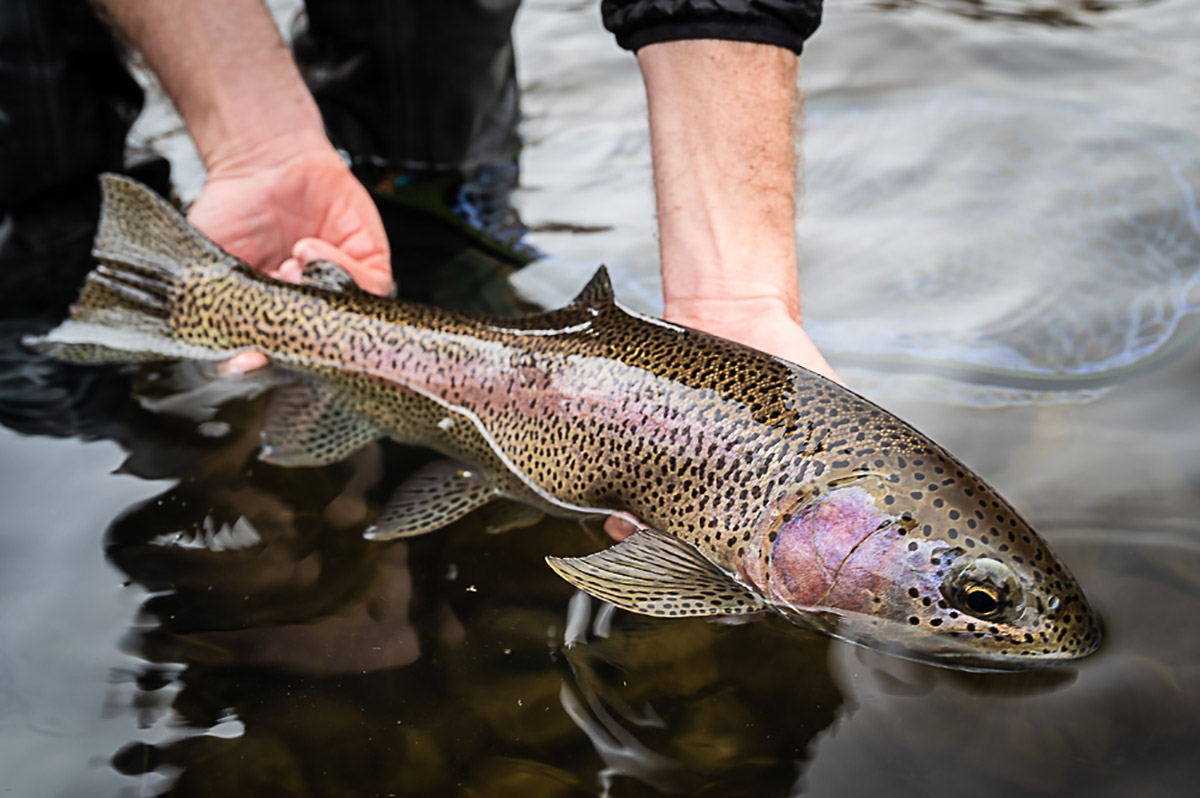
310, 424
438, 494
655, 574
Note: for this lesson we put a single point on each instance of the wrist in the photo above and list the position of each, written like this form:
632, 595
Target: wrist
722, 121
767, 323
230, 74
713, 312
258, 151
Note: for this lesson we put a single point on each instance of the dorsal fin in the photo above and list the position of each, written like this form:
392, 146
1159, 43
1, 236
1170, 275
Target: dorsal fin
598, 293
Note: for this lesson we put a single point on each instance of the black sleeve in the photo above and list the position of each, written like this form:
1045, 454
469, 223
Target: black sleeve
785, 23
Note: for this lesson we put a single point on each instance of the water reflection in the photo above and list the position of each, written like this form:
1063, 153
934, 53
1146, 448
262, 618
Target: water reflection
281, 645
993, 213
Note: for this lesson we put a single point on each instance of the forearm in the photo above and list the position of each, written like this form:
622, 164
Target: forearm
229, 73
723, 124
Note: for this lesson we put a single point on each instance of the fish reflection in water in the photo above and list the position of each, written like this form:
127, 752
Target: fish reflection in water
479, 694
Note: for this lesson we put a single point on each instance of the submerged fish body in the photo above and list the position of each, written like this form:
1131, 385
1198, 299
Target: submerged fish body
761, 486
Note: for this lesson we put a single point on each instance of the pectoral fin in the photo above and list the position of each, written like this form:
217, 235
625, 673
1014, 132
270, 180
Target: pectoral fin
439, 493
309, 424
655, 574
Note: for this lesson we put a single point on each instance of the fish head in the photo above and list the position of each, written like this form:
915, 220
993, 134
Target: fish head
958, 580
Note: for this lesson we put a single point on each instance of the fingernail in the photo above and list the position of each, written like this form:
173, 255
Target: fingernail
306, 253
290, 271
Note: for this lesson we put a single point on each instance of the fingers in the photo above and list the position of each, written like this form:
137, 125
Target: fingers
290, 271
374, 276
306, 250
242, 363
619, 527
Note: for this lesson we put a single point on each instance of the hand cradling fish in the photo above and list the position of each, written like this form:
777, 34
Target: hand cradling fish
759, 486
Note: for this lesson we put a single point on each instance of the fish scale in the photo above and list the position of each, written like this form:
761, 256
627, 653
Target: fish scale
757, 484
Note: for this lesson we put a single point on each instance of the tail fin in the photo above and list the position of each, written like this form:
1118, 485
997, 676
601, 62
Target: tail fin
148, 254
140, 229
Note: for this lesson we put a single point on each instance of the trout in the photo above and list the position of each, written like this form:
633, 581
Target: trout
756, 484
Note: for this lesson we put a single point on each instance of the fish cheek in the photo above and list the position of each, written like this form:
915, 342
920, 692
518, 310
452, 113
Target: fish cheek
875, 577
810, 549
796, 576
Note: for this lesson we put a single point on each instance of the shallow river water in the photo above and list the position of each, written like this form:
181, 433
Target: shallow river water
1000, 243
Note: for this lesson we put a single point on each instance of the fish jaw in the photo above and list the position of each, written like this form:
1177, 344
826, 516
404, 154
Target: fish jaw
838, 560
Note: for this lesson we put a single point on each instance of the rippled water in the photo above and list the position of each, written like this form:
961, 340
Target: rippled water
1000, 244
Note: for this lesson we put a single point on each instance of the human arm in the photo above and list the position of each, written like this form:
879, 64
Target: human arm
723, 118
720, 78
277, 193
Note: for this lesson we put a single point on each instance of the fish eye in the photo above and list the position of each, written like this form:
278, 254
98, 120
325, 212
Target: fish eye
983, 600
984, 588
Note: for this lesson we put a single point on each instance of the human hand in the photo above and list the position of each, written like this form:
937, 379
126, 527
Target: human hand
296, 203
279, 211
277, 195
766, 324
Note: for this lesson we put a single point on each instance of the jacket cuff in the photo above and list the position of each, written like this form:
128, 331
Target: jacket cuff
725, 30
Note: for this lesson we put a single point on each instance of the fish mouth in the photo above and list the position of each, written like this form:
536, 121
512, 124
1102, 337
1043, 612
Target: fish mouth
982, 663
939, 653
974, 661
944, 650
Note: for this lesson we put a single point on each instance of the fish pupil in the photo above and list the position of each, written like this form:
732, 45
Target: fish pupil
982, 601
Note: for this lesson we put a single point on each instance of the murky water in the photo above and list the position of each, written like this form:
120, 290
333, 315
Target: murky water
1001, 244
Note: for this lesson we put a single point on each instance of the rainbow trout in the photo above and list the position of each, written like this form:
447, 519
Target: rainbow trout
756, 484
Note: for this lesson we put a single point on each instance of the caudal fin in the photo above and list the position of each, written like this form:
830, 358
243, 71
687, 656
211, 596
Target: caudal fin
148, 255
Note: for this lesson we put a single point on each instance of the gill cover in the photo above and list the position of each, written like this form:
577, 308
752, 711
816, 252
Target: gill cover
823, 550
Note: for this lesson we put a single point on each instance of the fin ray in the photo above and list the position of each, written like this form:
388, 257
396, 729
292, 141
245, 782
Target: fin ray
148, 254
112, 342
310, 424
598, 293
139, 228
655, 574
437, 495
